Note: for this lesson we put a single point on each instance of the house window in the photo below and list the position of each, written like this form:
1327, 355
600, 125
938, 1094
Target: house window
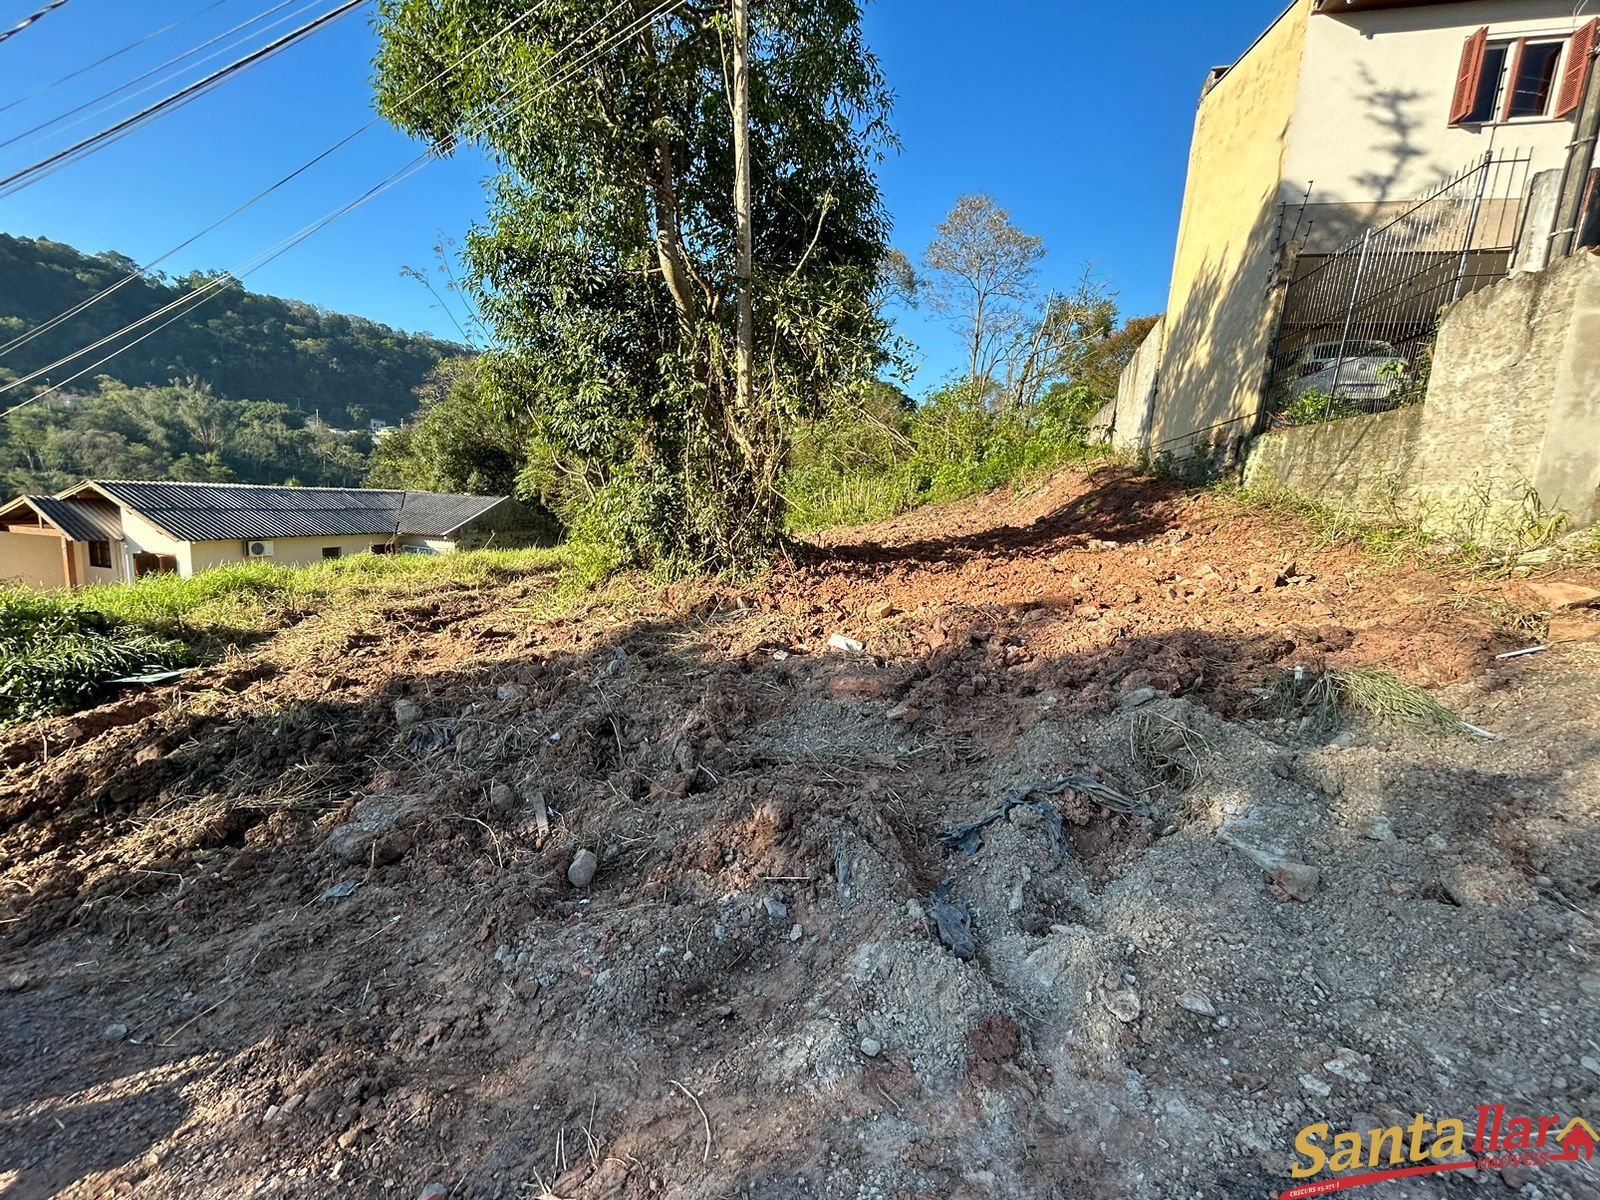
100, 554
330, 552
1491, 75
384, 548
1521, 78
1532, 78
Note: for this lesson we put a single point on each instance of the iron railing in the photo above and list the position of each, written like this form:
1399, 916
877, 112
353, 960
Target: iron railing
1357, 325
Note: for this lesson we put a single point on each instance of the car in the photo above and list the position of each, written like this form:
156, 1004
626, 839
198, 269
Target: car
1368, 371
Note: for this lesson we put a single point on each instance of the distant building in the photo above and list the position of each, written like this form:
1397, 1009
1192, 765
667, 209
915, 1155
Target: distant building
113, 530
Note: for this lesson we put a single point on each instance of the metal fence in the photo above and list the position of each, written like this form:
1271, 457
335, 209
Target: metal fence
1357, 325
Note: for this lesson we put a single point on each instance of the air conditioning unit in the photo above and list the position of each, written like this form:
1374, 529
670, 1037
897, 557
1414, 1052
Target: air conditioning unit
258, 549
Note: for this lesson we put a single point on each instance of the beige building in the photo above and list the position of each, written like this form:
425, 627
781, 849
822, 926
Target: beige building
1342, 113
111, 531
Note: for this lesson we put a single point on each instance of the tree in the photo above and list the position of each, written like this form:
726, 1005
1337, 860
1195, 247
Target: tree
984, 277
605, 265
459, 443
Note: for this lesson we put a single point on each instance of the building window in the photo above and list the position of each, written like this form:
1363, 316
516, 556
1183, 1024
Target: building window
1490, 77
330, 552
100, 554
1532, 78
1521, 78
384, 548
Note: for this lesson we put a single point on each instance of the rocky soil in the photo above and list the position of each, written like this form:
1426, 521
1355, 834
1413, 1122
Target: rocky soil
446, 899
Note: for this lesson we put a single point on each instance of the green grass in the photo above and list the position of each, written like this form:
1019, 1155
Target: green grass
260, 595
58, 649
1389, 539
56, 654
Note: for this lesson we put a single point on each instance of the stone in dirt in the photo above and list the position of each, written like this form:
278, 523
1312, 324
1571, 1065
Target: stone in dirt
1557, 594
17, 980
1124, 1005
849, 645
871, 1047
116, 1032
1349, 1066
1295, 879
1137, 698
904, 712
584, 864
434, 1191
776, 909
1196, 1003
407, 712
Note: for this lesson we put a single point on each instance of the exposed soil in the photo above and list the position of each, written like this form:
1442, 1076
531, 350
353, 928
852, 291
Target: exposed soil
302, 925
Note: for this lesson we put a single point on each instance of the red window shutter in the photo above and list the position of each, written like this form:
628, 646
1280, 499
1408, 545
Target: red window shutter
1468, 76
1575, 75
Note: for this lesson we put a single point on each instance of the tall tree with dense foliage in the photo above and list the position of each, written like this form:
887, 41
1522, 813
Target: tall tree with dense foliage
459, 441
606, 263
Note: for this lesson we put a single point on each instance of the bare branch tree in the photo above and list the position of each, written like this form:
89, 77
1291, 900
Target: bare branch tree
985, 279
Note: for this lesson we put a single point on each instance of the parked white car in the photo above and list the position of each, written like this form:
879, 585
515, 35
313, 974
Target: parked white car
1368, 371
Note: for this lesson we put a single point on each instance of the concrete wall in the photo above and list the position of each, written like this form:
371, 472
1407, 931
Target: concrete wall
1133, 411
1219, 324
32, 559
1513, 410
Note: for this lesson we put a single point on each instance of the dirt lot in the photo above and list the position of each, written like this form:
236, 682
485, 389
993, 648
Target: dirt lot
303, 925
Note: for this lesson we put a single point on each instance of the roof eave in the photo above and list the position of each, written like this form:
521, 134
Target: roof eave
72, 494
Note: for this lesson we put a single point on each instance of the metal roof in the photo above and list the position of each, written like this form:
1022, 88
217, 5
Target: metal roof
80, 522
198, 512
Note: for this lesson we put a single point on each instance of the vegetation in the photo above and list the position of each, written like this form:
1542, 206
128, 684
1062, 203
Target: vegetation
56, 653
459, 440
606, 265
183, 431
246, 346
1380, 696
888, 454
57, 649
1040, 366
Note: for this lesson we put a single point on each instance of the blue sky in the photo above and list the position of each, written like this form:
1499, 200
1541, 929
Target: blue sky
1075, 115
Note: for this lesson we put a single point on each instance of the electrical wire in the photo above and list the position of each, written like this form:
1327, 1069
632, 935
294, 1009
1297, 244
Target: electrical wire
144, 271
30, 19
13, 183
213, 287
156, 70
105, 58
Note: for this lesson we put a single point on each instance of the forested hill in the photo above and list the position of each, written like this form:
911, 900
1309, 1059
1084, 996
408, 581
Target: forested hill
245, 345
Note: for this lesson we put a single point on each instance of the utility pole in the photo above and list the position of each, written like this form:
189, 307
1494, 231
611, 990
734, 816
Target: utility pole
742, 203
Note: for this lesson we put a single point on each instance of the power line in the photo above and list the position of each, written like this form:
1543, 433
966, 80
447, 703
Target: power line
14, 182
214, 286
82, 305
156, 70
105, 58
30, 19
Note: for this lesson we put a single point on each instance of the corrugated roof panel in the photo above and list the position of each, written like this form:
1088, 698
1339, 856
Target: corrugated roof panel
79, 521
224, 511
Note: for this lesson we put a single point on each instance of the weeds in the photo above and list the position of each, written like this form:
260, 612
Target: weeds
879, 462
1377, 695
56, 654
1169, 751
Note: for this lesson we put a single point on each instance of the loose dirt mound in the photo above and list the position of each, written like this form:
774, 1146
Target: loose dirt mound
304, 926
